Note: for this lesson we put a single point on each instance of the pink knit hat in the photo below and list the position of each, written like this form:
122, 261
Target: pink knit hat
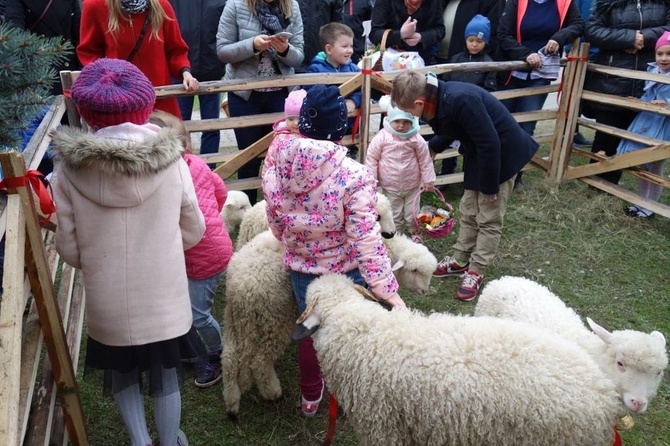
663, 40
113, 91
293, 103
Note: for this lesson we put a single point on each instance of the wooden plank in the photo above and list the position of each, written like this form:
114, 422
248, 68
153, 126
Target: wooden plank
619, 133
628, 103
11, 322
67, 78
634, 171
42, 286
630, 74
537, 115
39, 142
625, 194
523, 92
617, 162
364, 128
244, 156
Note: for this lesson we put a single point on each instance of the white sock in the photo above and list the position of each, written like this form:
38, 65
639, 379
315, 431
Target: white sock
167, 409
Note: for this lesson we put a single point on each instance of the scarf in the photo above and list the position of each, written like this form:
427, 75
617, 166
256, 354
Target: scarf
412, 6
655, 70
430, 106
271, 17
134, 6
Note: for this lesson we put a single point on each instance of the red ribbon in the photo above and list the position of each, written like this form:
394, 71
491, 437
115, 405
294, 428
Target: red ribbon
66, 93
354, 129
35, 179
332, 420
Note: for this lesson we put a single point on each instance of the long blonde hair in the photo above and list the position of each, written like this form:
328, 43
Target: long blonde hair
156, 11
285, 6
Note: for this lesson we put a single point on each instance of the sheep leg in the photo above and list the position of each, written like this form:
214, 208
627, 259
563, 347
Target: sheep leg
266, 379
231, 388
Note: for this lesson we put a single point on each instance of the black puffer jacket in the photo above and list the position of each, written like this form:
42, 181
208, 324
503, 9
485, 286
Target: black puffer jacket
198, 23
485, 79
611, 27
315, 14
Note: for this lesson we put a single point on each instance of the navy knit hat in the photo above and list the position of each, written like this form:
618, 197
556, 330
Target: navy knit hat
113, 91
479, 26
323, 114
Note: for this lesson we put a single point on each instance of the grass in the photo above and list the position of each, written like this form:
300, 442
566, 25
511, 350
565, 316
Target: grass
607, 266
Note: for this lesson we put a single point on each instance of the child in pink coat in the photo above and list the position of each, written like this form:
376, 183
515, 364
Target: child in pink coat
285, 129
207, 261
400, 161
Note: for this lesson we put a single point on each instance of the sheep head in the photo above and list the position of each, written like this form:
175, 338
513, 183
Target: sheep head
637, 361
385, 216
233, 210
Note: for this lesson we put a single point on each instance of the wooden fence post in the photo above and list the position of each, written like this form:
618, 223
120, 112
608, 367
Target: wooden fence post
43, 289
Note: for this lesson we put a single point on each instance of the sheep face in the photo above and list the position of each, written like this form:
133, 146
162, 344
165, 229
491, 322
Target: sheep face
233, 210
413, 263
637, 362
385, 216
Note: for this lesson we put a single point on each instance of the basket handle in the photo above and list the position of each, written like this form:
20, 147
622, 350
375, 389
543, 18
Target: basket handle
382, 45
417, 201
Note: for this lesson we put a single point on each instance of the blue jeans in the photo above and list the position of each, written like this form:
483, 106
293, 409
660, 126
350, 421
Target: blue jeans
525, 103
210, 104
300, 281
259, 102
202, 293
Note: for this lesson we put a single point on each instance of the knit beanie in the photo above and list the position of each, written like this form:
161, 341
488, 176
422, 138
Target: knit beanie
663, 40
479, 26
323, 114
293, 103
113, 91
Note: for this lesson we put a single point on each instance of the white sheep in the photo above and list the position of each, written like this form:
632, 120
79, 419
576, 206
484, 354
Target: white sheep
260, 310
236, 205
406, 379
413, 263
633, 360
255, 221
258, 315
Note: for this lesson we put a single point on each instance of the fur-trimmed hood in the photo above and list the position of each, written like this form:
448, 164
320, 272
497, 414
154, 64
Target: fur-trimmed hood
117, 166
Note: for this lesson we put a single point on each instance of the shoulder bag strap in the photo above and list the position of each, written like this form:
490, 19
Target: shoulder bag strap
140, 38
44, 12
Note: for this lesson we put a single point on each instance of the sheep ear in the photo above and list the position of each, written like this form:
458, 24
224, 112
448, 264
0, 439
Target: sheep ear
659, 337
603, 334
388, 235
399, 264
308, 322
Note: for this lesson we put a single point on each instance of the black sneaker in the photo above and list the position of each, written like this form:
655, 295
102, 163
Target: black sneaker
209, 373
580, 140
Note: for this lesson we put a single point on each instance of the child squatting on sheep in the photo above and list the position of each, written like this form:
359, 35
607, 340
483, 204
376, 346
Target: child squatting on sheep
206, 262
399, 159
651, 125
494, 148
321, 205
284, 128
126, 211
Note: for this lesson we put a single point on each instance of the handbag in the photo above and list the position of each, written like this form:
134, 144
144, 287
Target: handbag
139, 39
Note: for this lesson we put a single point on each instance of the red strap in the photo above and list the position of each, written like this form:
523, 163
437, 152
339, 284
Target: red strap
34, 178
332, 420
66, 93
354, 129
617, 439
582, 58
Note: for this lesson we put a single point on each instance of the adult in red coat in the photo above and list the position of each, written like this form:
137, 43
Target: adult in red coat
112, 28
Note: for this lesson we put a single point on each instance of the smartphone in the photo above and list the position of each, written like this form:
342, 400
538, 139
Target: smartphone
284, 34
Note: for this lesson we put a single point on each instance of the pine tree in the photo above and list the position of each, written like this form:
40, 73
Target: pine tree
26, 76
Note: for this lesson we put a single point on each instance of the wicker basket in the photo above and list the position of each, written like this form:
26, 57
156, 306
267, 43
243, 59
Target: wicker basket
441, 230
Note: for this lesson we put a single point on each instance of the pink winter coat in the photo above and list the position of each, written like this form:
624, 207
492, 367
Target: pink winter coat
212, 254
399, 164
126, 211
322, 206
281, 137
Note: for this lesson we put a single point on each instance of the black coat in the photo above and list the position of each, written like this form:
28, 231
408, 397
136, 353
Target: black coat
61, 20
493, 145
354, 13
465, 11
315, 14
611, 27
198, 23
485, 79
391, 14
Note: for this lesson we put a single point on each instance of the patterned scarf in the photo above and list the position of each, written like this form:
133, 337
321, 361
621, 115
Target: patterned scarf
134, 6
430, 106
412, 6
271, 17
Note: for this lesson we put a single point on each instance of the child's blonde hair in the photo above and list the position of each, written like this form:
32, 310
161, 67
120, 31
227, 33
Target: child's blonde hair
156, 13
167, 120
408, 86
332, 31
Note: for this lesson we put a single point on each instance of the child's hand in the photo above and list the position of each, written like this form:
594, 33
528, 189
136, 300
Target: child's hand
659, 101
430, 187
396, 301
351, 106
489, 199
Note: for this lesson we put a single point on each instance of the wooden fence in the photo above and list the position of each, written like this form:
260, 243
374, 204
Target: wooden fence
40, 291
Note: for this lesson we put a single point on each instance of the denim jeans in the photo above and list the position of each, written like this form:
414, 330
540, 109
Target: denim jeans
210, 104
525, 103
259, 102
202, 293
311, 380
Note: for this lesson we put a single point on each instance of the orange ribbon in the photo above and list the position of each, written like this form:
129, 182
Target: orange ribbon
36, 180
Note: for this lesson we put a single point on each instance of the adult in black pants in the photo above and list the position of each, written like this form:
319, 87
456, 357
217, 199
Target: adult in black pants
625, 33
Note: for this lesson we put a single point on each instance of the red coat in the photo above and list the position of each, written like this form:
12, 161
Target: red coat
159, 59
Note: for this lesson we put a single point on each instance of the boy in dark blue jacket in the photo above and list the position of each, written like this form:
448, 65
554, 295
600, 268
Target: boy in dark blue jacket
494, 148
337, 41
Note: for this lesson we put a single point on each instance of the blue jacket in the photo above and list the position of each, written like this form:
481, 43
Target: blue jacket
321, 65
493, 145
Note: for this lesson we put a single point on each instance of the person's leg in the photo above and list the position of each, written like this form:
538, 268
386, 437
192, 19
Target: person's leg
411, 201
603, 142
210, 106
490, 223
466, 241
202, 294
186, 107
167, 408
128, 398
396, 200
311, 380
